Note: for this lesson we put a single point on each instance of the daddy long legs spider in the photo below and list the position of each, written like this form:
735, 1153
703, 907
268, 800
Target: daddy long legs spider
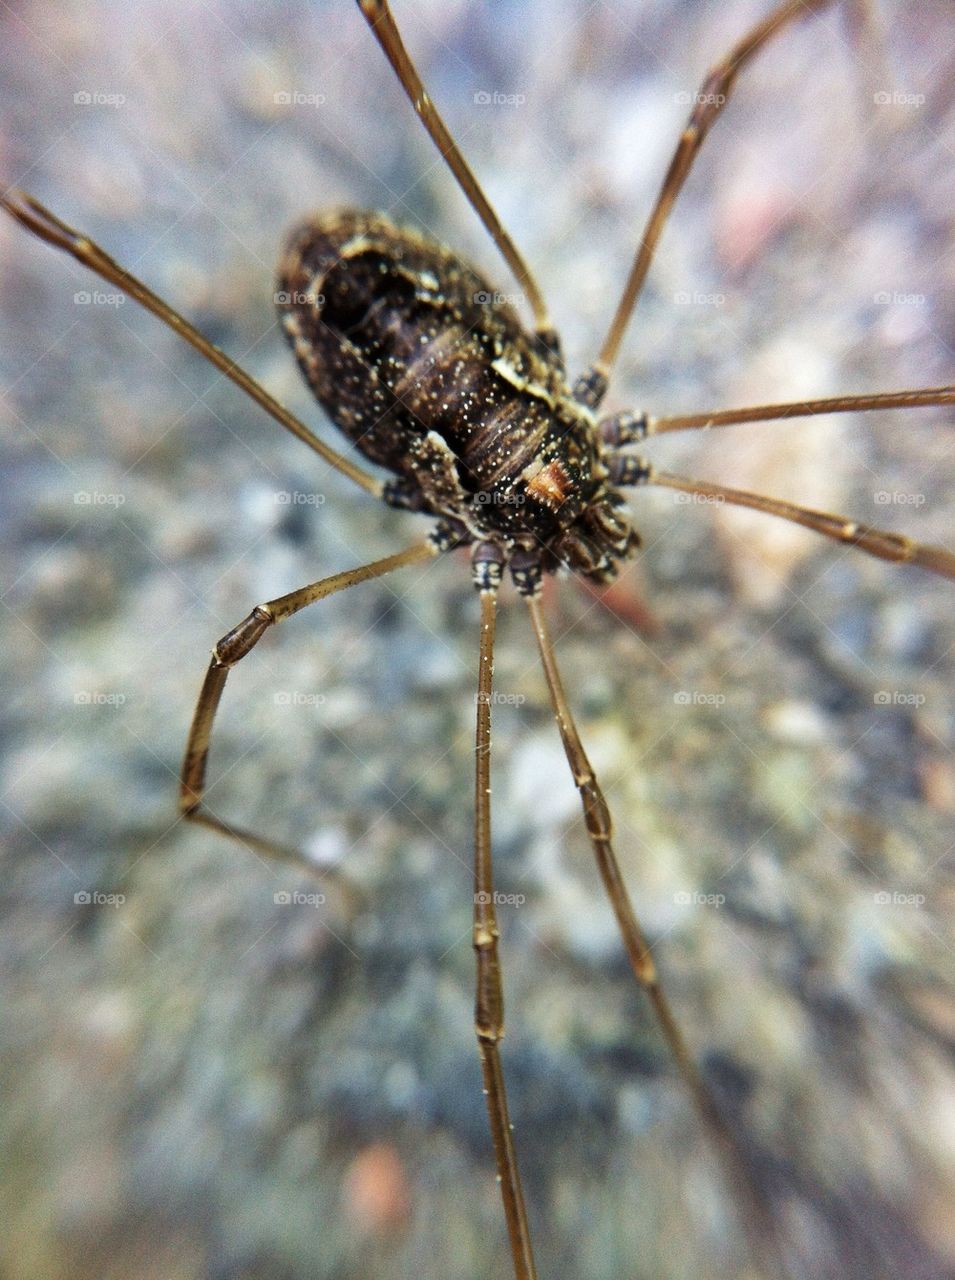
580, 938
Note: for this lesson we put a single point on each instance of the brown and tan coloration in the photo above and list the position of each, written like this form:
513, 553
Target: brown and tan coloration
412, 357
473, 416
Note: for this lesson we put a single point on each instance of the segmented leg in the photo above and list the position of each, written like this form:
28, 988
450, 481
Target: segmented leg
31, 214
234, 646
489, 1000
921, 398
757, 1221
385, 29
709, 102
867, 34
877, 542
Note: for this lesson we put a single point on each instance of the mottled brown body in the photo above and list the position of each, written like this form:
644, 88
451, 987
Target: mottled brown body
411, 355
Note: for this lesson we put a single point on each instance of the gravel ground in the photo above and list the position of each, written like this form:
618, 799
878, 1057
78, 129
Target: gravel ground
201, 1080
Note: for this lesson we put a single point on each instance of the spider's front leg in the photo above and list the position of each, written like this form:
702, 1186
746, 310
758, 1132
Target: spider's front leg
234, 646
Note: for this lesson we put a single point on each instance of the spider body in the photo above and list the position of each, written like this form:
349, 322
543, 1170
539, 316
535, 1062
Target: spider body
431, 374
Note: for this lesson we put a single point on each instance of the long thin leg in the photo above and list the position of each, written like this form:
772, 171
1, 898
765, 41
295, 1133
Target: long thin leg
867, 34
233, 646
379, 17
877, 542
800, 409
757, 1221
712, 97
31, 214
489, 1000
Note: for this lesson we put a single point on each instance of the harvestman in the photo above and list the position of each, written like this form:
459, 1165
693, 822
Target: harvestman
475, 419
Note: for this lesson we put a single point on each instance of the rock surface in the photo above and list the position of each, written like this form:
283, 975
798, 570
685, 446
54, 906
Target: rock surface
205, 1073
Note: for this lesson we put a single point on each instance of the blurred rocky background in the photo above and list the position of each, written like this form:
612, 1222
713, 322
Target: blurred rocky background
204, 1078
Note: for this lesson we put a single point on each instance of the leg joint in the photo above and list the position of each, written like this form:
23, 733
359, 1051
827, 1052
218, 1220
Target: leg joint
235, 644
596, 810
485, 937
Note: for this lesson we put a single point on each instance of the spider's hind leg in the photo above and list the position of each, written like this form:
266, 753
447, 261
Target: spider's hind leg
756, 1216
487, 565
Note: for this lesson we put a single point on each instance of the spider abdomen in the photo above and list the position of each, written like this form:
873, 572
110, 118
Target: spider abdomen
432, 375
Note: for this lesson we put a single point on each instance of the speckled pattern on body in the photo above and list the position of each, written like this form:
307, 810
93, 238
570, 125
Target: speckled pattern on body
207, 1075
409, 354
